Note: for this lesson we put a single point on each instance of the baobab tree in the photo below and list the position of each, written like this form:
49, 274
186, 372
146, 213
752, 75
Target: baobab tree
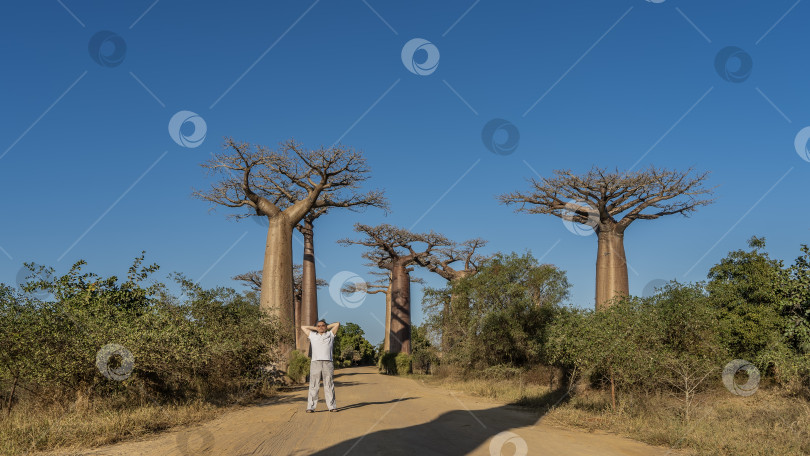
440, 262
283, 185
309, 293
253, 279
383, 285
441, 259
396, 249
608, 202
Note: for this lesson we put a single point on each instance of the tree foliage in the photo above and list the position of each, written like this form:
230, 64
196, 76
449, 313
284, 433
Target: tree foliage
351, 345
498, 315
206, 345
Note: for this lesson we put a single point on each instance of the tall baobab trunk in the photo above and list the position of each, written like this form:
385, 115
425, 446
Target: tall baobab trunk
298, 344
309, 288
400, 332
611, 267
277, 279
387, 339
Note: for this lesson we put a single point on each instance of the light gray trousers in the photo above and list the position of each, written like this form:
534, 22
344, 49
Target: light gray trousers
316, 370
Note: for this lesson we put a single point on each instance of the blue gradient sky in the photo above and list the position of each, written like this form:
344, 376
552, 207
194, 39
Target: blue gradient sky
615, 81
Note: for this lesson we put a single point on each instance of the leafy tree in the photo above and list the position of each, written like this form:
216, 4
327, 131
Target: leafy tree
500, 313
744, 287
670, 341
424, 354
350, 344
794, 291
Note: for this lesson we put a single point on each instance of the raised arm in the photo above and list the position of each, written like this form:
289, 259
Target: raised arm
333, 327
307, 329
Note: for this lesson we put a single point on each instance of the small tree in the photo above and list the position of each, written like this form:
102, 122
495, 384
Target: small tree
495, 311
744, 287
441, 262
608, 202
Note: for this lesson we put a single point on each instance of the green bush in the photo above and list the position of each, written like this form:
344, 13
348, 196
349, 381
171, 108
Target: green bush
501, 372
403, 363
387, 363
211, 345
424, 360
497, 316
299, 367
351, 345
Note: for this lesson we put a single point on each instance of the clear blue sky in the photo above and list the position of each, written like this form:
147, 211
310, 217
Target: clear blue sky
587, 82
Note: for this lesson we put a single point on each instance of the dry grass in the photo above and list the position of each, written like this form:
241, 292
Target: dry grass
771, 422
33, 428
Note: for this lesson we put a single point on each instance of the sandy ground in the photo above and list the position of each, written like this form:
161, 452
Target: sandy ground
380, 415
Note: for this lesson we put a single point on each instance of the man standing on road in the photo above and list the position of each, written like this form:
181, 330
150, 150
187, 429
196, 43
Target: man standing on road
321, 339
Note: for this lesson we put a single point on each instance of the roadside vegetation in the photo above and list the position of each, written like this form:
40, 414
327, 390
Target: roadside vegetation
650, 368
89, 360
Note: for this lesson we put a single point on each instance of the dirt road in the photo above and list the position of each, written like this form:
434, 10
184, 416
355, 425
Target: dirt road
380, 415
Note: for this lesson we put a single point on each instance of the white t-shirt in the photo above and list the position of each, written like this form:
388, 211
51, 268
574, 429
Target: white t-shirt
321, 345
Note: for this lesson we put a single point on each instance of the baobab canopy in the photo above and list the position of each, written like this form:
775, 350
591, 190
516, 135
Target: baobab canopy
608, 202
285, 185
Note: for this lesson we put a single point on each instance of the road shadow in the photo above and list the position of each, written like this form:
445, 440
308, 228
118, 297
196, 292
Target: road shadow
456, 432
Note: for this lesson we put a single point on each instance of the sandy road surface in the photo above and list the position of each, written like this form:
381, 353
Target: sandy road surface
380, 415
